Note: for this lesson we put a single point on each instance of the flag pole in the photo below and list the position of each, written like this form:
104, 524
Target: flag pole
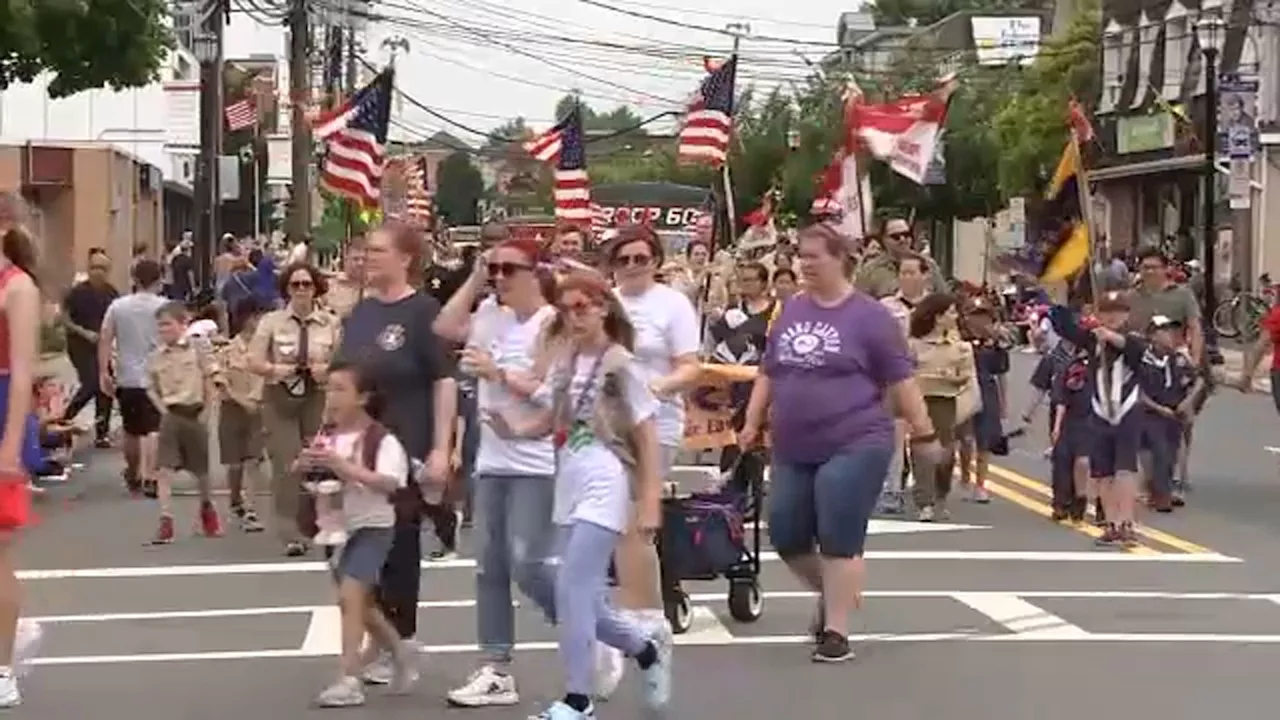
729, 205
257, 178
1086, 211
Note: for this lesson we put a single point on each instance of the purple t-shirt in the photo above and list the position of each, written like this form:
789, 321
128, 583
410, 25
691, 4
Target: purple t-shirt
829, 368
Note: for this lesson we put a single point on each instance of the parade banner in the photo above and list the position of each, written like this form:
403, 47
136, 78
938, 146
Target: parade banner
709, 406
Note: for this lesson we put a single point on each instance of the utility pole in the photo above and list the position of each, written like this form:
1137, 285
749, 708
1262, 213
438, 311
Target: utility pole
207, 44
395, 45
299, 221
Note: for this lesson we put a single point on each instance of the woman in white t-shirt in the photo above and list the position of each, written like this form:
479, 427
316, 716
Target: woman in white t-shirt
666, 347
369, 517
514, 481
603, 417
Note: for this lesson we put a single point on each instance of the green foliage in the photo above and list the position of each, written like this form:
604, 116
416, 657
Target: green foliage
460, 190
620, 118
86, 44
331, 233
1030, 126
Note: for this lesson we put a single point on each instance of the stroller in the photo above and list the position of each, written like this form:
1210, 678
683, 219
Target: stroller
706, 536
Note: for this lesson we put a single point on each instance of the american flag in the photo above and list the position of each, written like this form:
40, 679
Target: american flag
709, 117
417, 195
241, 115
355, 138
599, 219
563, 146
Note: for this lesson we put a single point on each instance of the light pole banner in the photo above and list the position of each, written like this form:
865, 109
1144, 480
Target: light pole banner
1237, 117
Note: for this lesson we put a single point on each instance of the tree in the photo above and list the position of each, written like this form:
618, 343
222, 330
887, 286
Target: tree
619, 119
85, 44
1030, 126
460, 190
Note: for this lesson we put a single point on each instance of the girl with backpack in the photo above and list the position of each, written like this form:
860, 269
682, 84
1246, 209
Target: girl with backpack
372, 465
602, 426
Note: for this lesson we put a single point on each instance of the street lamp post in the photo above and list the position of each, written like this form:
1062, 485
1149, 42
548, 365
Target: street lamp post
1209, 33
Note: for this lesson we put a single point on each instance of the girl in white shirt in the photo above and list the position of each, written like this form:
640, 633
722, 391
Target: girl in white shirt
592, 373
666, 347
369, 517
514, 481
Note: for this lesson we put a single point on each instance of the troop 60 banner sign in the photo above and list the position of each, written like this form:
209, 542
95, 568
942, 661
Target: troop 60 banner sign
660, 217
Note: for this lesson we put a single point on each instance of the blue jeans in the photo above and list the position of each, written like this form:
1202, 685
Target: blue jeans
469, 411
582, 595
829, 502
514, 541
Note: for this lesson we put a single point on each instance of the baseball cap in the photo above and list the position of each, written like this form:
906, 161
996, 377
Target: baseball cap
1113, 301
1159, 322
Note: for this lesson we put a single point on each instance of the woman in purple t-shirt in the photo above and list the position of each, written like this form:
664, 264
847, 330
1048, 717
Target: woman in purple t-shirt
836, 361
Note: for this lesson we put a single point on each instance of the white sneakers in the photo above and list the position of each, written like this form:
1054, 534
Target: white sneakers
25, 647
610, 665
485, 687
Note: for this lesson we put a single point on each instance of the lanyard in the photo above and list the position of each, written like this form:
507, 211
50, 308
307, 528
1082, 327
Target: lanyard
587, 387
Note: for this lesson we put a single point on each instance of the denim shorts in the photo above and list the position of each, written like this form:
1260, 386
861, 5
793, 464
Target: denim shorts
363, 555
829, 502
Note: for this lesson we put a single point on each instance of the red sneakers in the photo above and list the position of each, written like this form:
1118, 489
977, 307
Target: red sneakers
164, 533
210, 525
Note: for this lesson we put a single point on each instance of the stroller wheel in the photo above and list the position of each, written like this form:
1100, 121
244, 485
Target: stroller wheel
746, 602
679, 611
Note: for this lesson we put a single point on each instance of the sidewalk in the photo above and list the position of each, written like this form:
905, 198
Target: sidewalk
1232, 364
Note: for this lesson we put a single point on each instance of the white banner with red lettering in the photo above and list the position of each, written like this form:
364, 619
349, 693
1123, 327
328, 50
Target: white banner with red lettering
904, 132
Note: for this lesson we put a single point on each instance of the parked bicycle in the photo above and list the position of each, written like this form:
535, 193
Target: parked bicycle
1240, 316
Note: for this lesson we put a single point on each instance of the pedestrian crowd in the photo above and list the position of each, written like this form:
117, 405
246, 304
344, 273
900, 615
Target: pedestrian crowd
542, 396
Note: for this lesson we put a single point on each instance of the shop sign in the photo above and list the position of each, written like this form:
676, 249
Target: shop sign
1144, 133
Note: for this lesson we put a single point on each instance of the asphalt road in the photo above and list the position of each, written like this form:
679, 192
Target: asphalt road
999, 614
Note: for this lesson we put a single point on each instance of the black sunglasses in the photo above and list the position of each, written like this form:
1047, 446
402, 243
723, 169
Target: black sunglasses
632, 260
505, 269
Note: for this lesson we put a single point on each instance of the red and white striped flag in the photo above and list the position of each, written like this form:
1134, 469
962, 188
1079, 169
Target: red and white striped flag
563, 146
241, 115
903, 132
417, 194
599, 219
355, 138
708, 123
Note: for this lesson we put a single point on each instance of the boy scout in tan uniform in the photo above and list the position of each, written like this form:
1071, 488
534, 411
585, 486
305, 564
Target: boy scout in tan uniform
181, 381
241, 436
292, 354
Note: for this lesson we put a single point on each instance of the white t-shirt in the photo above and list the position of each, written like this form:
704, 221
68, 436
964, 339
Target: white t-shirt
591, 484
202, 332
497, 330
364, 506
298, 254
666, 328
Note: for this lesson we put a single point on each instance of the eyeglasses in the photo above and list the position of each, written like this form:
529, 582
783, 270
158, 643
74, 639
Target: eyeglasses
903, 235
505, 269
301, 284
576, 308
632, 260
103, 268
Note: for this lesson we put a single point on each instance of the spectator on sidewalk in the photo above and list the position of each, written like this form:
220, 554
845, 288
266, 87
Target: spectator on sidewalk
83, 310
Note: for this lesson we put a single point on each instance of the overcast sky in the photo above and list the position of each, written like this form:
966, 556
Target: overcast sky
478, 63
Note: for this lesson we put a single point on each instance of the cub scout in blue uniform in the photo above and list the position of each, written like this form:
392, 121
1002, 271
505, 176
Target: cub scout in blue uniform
1071, 390
1116, 360
1170, 384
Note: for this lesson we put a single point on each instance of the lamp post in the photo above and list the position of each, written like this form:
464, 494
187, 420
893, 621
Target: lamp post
1210, 31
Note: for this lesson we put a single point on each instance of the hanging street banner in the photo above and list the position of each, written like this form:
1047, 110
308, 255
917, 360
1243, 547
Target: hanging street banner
1237, 117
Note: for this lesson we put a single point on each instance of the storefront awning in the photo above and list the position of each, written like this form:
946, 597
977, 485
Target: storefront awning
1151, 167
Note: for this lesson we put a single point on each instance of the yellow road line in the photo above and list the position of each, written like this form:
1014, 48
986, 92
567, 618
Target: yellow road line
1145, 531
1039, 508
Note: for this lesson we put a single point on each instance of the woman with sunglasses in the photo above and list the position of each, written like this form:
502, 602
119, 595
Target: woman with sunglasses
666, 348
292, 348
601, 416
514, 477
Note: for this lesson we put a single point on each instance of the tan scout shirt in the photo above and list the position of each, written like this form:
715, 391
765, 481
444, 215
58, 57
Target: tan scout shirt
878, 277
342, 296
241, 385
178, 374
276, 341
944, 365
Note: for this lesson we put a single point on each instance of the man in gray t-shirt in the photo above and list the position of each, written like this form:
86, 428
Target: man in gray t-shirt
128, 337
1157, 294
